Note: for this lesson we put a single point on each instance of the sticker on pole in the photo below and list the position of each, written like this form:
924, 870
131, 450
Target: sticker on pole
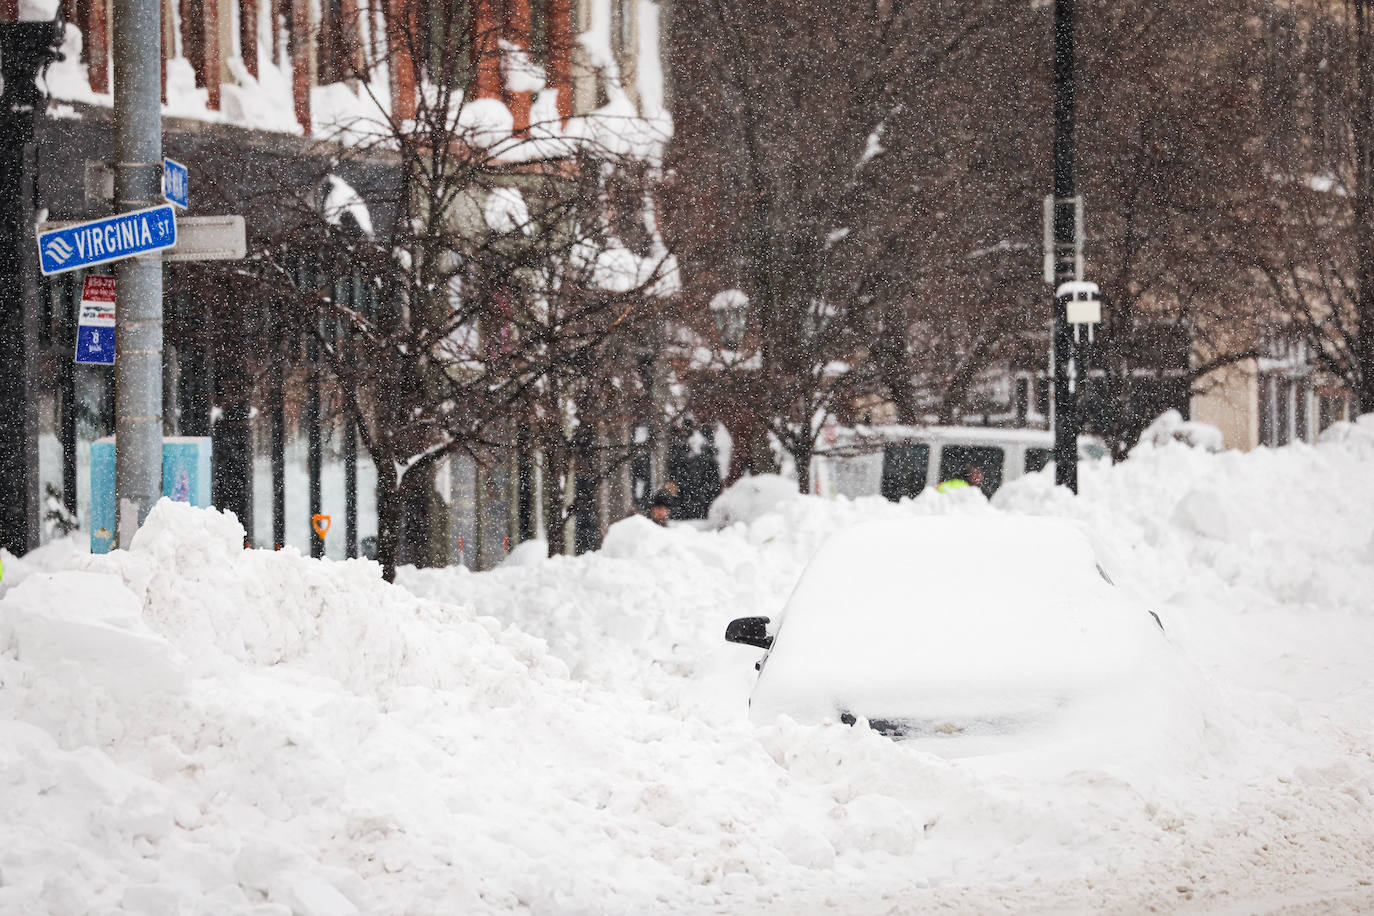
176, 183
95, 322
110, 239
321, 525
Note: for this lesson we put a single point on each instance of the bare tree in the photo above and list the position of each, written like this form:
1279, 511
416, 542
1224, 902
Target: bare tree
1319, 270
785, 111
476, 285
1176, 187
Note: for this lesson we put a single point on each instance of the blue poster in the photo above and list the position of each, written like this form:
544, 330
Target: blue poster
185, 478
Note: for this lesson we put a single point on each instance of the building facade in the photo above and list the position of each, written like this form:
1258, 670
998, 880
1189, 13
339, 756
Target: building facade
254, 88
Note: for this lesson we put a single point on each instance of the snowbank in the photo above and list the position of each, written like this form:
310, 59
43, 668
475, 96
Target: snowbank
1171, 427
191, 727
751, 498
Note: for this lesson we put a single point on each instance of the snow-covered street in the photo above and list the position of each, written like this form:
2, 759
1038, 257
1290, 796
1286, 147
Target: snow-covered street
189, 727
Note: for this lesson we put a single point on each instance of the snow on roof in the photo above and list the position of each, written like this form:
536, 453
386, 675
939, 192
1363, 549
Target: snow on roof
728, 299
877, 435
487, 121
521, 73
38, 10
343, 114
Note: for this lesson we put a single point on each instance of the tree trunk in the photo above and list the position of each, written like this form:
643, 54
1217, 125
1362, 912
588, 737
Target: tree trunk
389, 507
1363, 135
801, 456
556, 470
947, 404
1364, 342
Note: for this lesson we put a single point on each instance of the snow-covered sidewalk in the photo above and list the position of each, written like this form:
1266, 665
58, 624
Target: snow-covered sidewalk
189, 727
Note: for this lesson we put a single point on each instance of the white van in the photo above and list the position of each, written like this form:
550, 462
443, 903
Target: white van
898, 461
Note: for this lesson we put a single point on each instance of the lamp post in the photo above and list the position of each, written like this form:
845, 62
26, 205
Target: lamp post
1066, 258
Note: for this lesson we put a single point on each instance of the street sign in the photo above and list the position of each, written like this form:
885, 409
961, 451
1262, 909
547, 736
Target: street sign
95, 322
209, 238
199, 238
176, 183
110, 239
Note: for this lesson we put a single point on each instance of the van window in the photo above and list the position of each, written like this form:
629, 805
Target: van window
1037, 459
957, 461
905, 468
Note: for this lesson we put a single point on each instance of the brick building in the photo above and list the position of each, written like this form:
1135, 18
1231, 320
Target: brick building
255, 89
305, 67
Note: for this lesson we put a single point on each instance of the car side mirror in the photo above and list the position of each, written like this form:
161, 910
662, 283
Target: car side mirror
751, 631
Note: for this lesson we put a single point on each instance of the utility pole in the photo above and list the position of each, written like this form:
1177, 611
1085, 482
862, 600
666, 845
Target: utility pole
1065, 249
26, 49
137, 41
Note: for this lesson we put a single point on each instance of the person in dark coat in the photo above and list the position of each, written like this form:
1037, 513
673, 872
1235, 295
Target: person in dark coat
662, 505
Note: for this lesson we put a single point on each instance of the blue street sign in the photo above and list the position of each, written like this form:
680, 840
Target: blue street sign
95, 346
110, 239
176, 183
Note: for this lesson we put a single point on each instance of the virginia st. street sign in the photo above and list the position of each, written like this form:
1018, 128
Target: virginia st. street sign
110, 239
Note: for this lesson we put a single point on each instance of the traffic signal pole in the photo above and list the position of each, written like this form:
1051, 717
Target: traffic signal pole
137, 42
1065, 248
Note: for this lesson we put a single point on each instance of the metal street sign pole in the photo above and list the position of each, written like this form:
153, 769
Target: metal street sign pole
1065, 254
137, 40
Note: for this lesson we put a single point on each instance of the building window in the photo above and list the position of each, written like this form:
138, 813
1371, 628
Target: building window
539, 31
445, 37
1285, 412
334, 49
1332, 405
623, 23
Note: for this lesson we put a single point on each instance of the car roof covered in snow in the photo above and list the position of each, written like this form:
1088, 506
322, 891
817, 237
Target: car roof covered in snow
990, 615
865, 438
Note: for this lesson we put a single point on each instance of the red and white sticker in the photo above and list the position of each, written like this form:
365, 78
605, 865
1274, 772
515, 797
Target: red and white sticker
97, 302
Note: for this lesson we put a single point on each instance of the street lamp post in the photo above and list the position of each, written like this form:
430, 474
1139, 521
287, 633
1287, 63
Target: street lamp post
1065, 249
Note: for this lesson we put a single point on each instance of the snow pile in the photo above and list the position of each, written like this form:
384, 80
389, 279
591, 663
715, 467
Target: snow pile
752, 497
191, 727
1171, 427
206, 727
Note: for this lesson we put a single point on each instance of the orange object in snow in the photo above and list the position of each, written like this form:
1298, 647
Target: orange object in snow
321, 525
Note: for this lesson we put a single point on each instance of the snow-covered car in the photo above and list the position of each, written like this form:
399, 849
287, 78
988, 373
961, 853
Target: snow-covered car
954, 625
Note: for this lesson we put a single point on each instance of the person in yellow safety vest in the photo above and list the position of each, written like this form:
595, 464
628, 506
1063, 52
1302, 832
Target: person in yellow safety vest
973, 477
